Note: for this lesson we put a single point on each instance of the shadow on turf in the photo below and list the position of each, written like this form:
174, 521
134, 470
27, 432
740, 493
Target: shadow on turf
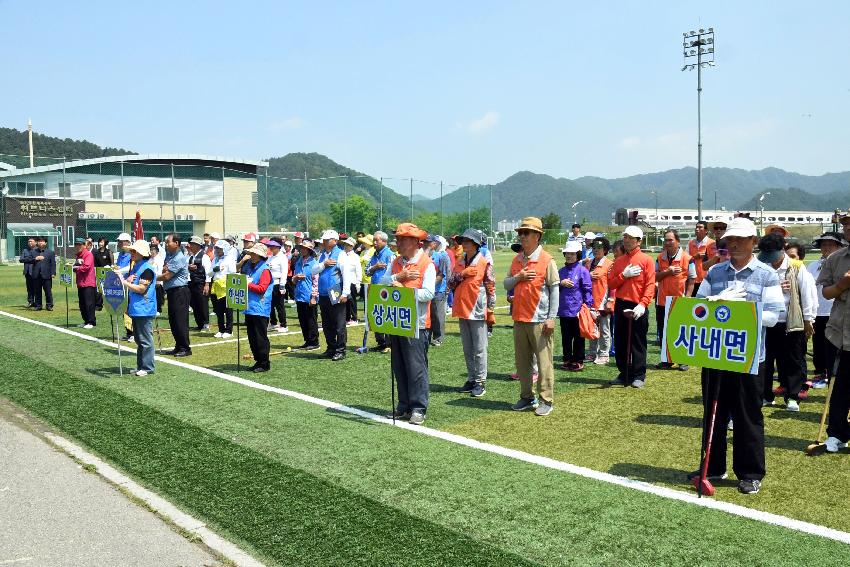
772, 441
651, 474
479, 403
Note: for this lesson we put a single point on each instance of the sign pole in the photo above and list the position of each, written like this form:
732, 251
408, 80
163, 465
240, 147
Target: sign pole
392, 391
120, 366
237, 299
112, 327
67, 309
238, 345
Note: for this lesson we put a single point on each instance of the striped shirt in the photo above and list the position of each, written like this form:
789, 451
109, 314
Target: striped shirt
759, 281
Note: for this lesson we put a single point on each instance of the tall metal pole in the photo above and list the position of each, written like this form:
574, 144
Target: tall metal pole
173, 205
699, 45
64, 214
442, 228
122, 196
267, 198
468, 209
491, 213
699, 133
223, 227
345, 204
411, 199
306, 205
381, 216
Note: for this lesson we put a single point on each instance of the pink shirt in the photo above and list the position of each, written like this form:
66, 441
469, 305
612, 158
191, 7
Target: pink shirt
84, 268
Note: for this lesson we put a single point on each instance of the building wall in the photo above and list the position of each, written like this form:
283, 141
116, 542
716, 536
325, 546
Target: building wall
240, 212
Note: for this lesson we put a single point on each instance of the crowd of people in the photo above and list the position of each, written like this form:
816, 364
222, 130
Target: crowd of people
328, 277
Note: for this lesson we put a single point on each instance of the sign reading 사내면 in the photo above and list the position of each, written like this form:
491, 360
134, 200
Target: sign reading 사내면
724, 335
392, 310
237, 291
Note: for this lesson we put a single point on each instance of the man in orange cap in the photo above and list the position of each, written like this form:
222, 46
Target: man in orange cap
533, 278
412, 268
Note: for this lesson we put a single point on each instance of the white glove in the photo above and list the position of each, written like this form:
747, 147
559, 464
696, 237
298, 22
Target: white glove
631, 271
729, 294
637, 312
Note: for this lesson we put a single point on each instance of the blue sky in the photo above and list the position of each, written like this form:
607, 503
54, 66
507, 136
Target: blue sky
458, 91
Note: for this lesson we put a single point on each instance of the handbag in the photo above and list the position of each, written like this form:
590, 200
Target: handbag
587, 324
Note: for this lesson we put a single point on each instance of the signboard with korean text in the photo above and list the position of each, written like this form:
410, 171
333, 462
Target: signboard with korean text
66, 274
392, 310
237, 291
100, 275
724, 335
114, 297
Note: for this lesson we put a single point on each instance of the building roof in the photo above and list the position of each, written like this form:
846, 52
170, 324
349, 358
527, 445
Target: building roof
182, 159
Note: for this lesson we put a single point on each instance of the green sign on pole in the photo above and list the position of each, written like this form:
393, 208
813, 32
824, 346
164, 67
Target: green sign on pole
237, 291
724, 335
100, 275
393, 310
66, 275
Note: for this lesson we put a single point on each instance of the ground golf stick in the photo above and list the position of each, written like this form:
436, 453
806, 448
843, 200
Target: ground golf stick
702, 484
818, 447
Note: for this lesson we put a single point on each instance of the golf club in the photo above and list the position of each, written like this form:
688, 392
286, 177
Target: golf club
701, 483
819, 447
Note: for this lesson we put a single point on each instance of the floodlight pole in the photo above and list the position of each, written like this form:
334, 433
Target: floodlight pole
699, 44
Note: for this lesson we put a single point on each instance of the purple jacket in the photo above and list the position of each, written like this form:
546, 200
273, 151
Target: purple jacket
581, 292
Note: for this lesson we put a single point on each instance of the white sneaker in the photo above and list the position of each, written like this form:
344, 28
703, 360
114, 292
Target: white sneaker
283, 329
226, 335
218, 335
87, 326
833, 445
141, 372
205, 329
792, 405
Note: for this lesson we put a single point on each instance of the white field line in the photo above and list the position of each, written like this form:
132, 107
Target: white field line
664, 492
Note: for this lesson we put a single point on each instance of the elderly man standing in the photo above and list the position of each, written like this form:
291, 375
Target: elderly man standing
334, 288
632, 277
835, 279
175, 282
823, 351
381, 259
701, 249
438, 305
86, 283
200, 276
122, 261
27, 260
675, 274
413, 269
43, 272
533, 279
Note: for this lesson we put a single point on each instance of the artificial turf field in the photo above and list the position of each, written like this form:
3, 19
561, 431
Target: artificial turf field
295, 483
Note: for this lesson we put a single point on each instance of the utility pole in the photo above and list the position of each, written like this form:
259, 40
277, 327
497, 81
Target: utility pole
699, 45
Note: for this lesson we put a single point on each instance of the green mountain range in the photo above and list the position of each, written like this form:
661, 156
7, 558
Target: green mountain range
523, 193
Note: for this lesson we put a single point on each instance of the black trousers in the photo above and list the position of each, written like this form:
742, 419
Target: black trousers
381, 340
178, 316
160, 298
333, 324
86, 296
28, 279
258, 338
39, 285
223, 315
639, 328
278, 307
739, 398
824, 353
308, 319
839, 404
660, 312
351, 304
200, 305
786, 353
572, 343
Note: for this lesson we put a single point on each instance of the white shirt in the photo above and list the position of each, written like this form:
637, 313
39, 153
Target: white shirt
352, 265
824, 304
158, 262
226, 265
808, 292
279, 266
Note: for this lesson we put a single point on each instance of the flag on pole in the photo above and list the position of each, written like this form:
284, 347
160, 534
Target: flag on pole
138, 232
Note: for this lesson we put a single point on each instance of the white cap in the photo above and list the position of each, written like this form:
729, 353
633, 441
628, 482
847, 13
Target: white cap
572, 246
589, 235
740, 226
215, 235
330, 234
124, 236
633, 231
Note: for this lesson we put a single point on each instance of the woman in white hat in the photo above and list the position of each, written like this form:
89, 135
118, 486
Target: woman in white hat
222, 265
141, 306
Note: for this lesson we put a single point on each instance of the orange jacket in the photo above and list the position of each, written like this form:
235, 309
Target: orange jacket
421, 265
532, 301
672, 285
639, 289
600, 284
708, 247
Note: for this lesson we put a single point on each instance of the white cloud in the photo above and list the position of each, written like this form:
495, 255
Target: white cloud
629, 143
291, 123
483, 125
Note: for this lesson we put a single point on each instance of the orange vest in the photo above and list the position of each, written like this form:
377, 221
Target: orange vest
527, 294
468, 291
672, 285
421, 265
697, 252
600, 285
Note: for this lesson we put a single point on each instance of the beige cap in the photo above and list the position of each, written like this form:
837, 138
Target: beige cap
258, 249
142, 247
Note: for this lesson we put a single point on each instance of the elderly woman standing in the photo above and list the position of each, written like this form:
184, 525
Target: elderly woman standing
141, 305
576, 290
260, 288
474, 289
222, 265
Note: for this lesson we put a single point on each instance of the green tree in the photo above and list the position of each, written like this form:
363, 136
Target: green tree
551, 220
360, 215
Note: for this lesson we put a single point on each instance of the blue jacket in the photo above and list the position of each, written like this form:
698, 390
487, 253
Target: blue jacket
258, 304
331, 277
385, 256
142, 305
304, 288
123, 259
581, 293
443, 266
44, 269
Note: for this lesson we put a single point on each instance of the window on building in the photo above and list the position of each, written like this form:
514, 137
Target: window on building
95, 191
26, 189
117, 192
255, 198
59, 243
64, 190
70, 234
168, 194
